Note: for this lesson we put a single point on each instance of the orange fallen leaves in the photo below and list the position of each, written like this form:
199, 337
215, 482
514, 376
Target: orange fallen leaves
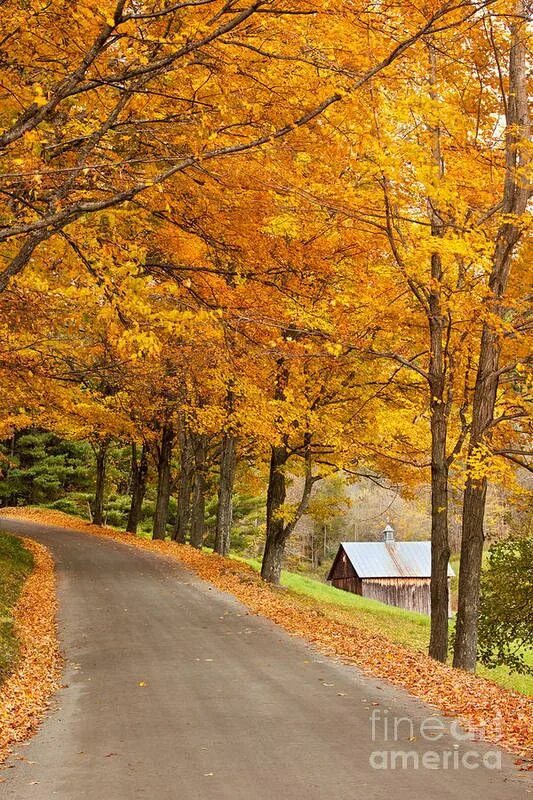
25, 695
504, 717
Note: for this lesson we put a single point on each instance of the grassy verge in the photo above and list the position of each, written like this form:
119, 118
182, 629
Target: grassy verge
404, 627
15, 565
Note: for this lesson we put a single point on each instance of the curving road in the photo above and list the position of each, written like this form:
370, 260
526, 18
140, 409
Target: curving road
172, 691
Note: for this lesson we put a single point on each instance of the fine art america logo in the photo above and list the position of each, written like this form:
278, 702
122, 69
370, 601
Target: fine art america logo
439, 745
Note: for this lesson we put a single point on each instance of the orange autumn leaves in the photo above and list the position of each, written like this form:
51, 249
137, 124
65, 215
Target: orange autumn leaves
504, 716
25, 695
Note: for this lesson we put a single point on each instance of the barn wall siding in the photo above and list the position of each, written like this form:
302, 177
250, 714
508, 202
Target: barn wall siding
344, 576
412, 594
348, 584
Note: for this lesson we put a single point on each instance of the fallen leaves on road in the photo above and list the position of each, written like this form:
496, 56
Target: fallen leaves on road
25, 695
498, 715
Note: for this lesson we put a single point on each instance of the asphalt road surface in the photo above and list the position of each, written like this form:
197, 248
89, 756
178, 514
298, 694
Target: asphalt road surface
173, 691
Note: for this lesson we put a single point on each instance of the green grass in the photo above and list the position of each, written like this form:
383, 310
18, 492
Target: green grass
15, 565
398, 625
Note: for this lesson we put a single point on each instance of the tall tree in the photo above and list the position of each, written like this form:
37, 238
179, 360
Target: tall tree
100, 453
226, 477
437, 379
226, 480
199, 491
278, 528
164, 461
516, 193
139, 479
185, 481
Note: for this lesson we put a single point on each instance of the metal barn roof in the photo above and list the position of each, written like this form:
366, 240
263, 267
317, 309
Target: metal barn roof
391, 559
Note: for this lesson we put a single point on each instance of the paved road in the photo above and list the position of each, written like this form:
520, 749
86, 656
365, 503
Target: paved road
230, 707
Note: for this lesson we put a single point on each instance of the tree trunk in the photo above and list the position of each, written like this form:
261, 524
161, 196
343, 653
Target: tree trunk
275, 527
273, 560
98, 503
139, 477
440, 548
515, 199
473, 536
277, 532
163, 482
228, 461
183, 514
198, 492
465, 648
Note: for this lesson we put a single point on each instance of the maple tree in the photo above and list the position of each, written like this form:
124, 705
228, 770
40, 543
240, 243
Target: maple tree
139, 480
437, 220
513, 205
89, 118
279, 234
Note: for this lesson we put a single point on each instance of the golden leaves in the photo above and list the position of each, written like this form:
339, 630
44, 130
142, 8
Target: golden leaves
39, 96
286, 225
24, 696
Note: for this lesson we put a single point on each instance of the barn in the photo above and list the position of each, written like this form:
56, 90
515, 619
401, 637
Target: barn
396, 573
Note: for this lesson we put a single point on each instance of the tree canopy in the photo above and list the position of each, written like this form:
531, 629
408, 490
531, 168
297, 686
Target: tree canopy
280, 239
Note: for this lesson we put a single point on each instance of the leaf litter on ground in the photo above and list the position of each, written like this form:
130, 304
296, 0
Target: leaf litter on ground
498, 715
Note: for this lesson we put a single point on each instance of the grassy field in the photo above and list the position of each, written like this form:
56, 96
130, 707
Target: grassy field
15, 565
405, 627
